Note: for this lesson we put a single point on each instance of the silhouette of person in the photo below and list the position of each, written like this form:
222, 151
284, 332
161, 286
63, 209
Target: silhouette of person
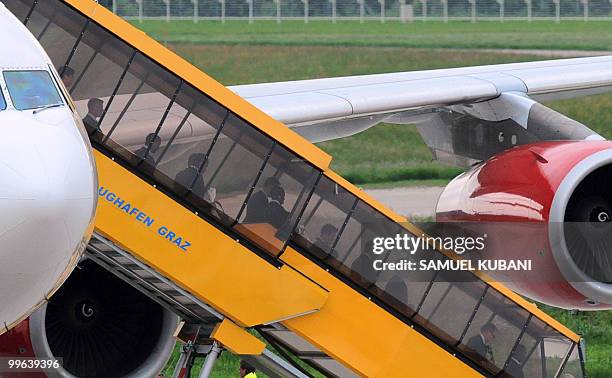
365, 273
326, 239
67, 76
191, 177
276, 213
152, 143
95, 109
481, 343
258, 203
397, 289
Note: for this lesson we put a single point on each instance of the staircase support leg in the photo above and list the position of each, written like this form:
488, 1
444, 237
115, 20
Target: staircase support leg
211, 358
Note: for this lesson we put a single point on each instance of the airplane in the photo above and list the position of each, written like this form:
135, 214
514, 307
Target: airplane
524, 161
47, 198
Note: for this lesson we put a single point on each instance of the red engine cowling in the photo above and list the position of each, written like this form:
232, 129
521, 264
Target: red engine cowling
550, 202
99, 325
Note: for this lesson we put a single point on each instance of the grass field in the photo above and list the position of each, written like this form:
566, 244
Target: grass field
568, 35
596, 329
238, 53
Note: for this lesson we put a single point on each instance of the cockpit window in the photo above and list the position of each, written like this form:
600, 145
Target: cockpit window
2, 102
31, 89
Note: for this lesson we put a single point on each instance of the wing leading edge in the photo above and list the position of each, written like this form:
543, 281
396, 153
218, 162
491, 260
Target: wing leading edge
478, 102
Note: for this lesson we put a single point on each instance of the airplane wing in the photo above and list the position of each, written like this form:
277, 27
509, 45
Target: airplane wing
465, 115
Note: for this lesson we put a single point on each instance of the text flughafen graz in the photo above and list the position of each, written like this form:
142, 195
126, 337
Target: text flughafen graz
140, 215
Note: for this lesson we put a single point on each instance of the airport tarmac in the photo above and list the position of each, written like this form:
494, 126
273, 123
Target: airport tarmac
418, 201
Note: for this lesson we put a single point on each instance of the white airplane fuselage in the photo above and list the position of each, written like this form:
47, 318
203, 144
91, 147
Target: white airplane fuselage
47, 176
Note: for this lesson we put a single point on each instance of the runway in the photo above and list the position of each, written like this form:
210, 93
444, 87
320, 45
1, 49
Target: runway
417, 201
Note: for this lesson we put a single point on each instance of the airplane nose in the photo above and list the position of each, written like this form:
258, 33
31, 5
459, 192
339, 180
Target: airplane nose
47, 203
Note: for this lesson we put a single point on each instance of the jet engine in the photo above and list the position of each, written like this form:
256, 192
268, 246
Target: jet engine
550, 202
99, 325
